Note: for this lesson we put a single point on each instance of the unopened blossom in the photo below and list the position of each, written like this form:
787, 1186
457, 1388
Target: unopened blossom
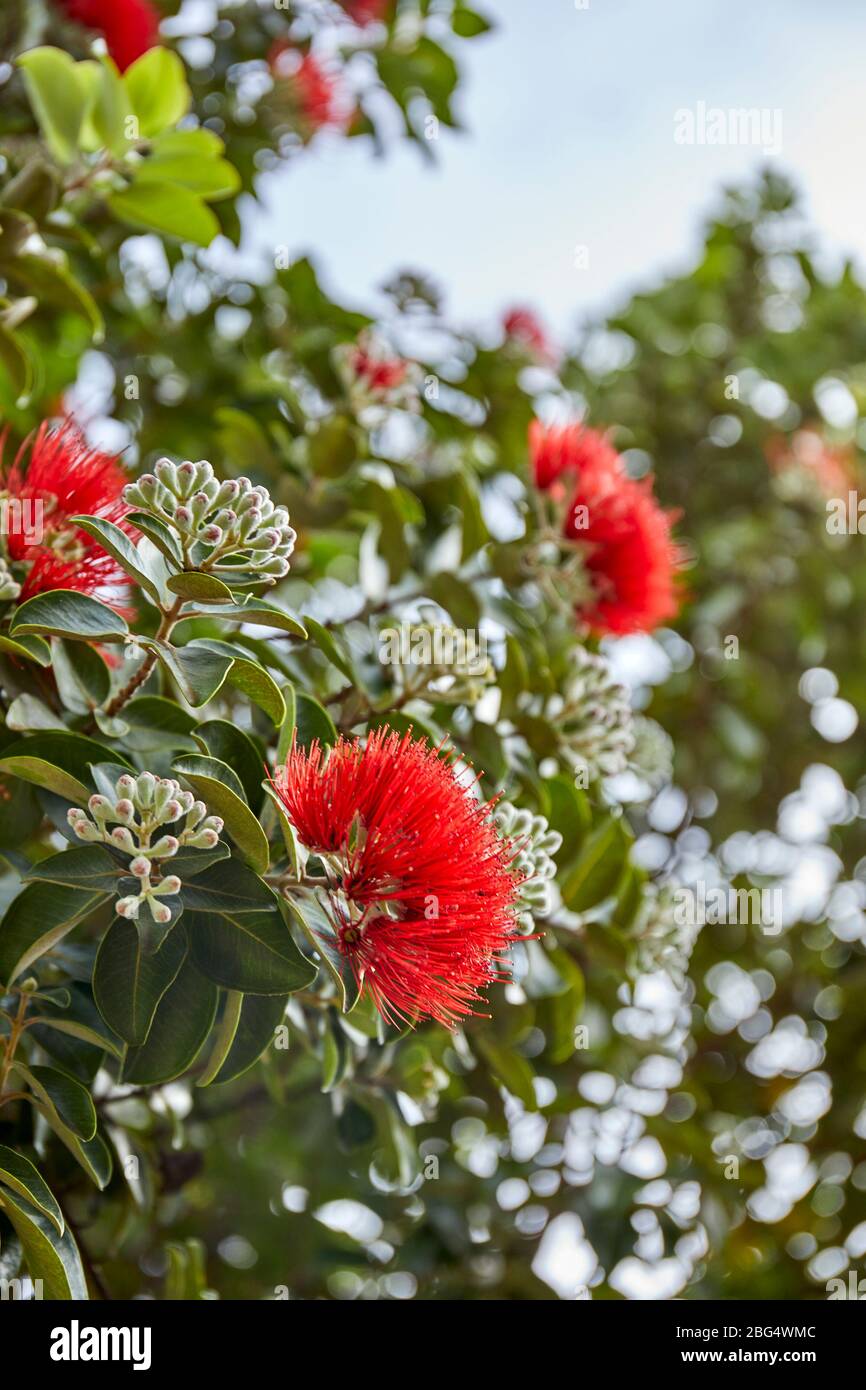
56, 476
423, 893
535, 844
230, 529
148, 819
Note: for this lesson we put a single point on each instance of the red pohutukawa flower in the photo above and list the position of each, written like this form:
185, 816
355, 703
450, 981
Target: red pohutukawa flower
365, 12
523, 328
631, 557
129, 27
555, 450
423, 900
314, 93
63, 477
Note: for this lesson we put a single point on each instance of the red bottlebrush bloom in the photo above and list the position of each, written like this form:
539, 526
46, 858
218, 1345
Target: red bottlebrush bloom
377, 374
365, 12
314, 93
522, 327
423, 903
129, 27
63, 478
631, 557
558, 449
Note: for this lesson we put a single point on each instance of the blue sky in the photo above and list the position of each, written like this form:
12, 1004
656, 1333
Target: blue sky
569, 142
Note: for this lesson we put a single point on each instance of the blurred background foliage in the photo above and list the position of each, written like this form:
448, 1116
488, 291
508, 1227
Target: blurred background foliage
703, 1140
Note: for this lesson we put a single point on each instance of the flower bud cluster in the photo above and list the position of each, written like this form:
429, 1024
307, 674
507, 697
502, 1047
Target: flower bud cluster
9, 586
535, 844
130, 822
595, 722
234, 526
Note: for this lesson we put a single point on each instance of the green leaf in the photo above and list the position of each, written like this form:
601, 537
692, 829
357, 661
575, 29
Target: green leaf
27, 649
249, 951
210, 178
90, 867
233, 746
44, 774
18, 1173
59, 762
599, 865
17, 364
158, 91
108, 125
183, 1020
287, 728
312, 721
162, 537
64, 613
219, 787
28, 714
328, 645
62, 1095
319, 930
508, 1067
228, 887
260, 613
247, 676
166, 208
119, 545
59, 98
83, 679
128, 983
73, 1029
468, 24
36, 921
50, 1257
260, 1015
52, 283
200, 588
200, 673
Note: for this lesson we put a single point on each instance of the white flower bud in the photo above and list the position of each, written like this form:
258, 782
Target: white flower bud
167, 887
165, 847
128, 907
122, 839
140, 866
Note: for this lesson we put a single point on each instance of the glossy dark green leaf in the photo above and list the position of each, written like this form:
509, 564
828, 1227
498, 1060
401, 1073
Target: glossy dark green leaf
63, 1095
128, 983
36, 921
221, 791
19, 1174
248, 951
65, 613
50, 1257
180, 1028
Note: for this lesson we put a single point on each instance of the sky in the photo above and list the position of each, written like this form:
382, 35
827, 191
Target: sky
567, 188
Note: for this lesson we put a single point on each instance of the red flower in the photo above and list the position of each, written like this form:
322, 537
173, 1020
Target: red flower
631, 557
63, 478
377, 374
365, 12
423, 900
558, 449
314, 93
129, 27
522, 327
